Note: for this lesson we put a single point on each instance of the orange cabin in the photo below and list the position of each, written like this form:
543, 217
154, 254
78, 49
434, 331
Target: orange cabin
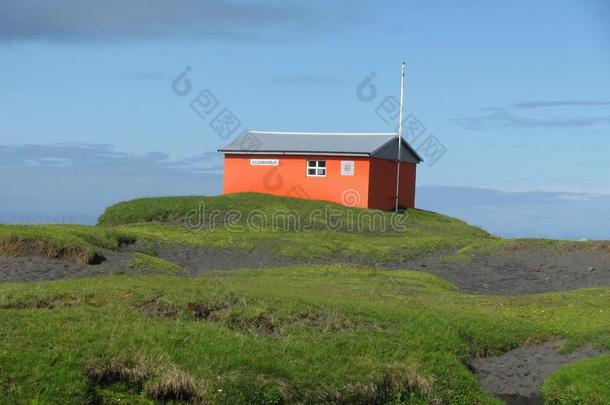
353, 169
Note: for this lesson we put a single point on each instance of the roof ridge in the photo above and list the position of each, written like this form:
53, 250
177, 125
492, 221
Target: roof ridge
324, 133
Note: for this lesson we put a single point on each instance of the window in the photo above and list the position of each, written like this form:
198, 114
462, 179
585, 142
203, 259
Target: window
347, 168
316, 168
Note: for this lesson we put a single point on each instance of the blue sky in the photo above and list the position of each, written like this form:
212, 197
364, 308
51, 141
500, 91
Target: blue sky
517, 92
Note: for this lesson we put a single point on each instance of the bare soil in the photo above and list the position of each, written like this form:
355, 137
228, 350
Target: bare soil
517, 375
196, 261
37, 268
524, 271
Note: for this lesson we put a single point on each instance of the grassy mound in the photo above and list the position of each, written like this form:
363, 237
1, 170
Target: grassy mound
584, 382
295, 228
308, 230
324, 334
81, 244
151, 265
279, 213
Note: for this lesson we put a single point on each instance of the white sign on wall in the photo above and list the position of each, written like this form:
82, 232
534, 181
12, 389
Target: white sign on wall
264, 162
347, 168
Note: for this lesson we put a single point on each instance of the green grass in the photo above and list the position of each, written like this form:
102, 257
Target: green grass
584, 382
292, 227
151, 265
303, 245
71, 242
311, 334
252, 211
307, 230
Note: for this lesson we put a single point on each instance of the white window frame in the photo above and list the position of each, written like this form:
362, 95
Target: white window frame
350, 163
317, 167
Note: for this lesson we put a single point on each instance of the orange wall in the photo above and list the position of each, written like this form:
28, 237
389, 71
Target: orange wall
289, 178
382, 189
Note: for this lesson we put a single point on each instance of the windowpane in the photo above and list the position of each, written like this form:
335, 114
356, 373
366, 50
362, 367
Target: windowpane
316, 167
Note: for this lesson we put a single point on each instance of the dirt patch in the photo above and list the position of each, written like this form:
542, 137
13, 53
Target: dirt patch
57, 301
234, 313
231, 313
205, 311
522, 271
36, 268
153, 308
517, 375
197, 260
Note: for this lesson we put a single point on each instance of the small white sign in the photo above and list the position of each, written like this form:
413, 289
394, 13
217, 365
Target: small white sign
264, 162
347, 168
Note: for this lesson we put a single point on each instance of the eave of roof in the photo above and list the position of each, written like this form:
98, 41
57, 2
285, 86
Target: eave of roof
323, 133
275, 152
326, 152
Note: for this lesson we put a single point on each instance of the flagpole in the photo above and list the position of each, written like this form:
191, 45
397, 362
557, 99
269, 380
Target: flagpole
402, 86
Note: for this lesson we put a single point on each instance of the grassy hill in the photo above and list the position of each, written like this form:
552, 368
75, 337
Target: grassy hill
236, 208
292, 227
302, 334
282, 226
